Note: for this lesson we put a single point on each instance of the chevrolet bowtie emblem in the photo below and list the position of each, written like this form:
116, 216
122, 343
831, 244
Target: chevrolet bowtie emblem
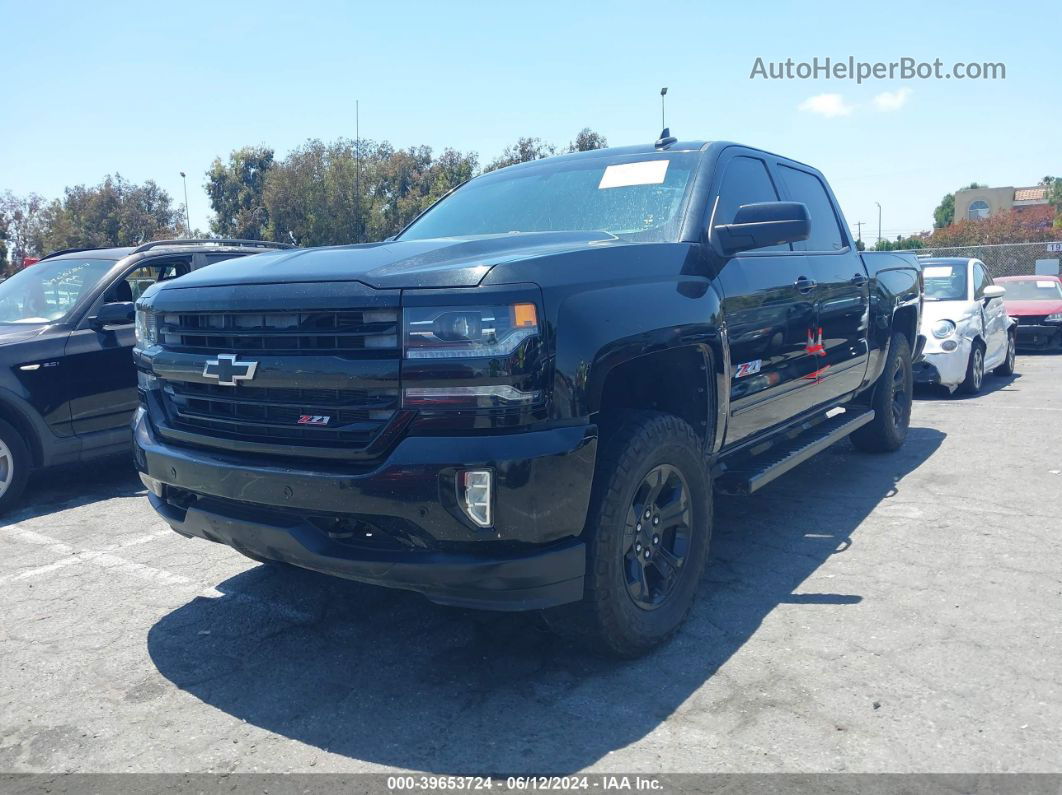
228, 371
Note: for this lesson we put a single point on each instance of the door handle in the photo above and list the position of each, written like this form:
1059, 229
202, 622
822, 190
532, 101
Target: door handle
805, 285
859, 279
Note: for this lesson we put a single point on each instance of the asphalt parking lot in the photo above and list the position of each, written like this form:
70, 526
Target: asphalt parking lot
864, 613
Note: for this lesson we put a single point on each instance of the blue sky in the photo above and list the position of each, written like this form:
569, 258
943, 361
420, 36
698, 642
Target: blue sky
151, 90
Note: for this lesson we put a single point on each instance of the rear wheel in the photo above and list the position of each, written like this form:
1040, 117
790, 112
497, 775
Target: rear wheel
647, 537
975, 371
891, 402
14, 466
1007, 368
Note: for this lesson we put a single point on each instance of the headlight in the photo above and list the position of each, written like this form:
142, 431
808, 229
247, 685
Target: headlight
943, 328
146, 329
1054, 318
466, 332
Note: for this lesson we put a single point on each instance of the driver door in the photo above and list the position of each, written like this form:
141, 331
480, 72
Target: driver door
99, 362
994, 315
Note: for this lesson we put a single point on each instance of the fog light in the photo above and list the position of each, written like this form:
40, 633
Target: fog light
474, 494
949, 345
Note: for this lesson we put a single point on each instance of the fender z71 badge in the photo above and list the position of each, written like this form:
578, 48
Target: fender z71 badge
748, 368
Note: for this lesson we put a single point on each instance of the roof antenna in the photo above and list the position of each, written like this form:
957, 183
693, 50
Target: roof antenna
665, 139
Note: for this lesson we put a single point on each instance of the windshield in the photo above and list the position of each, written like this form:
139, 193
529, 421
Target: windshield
945, 282
637, 197
47, 291
1038, 290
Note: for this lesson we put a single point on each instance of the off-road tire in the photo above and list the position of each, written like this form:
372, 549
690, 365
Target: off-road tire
891, 401
608, 620
20, 462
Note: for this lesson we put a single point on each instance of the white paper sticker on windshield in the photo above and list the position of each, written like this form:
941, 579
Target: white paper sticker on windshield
1048, 285
648, 172
932, 271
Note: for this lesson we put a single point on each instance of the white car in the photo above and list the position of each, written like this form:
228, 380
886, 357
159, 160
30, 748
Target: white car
966, 325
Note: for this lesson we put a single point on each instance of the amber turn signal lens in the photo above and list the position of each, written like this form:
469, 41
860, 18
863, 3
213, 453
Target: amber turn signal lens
524, 315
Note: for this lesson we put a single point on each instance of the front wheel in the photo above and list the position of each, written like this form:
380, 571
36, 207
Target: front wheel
891, 402
1007, 368
975, 371
647, 537
14, 466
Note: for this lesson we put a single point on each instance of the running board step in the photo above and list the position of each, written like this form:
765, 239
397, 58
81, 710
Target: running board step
758, 471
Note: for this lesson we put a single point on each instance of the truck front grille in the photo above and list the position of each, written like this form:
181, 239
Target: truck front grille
325, 383
344, 331
1031, 320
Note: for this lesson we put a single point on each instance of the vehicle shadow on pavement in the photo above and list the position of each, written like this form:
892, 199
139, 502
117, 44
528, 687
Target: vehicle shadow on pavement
75, 485
992, 383
387, 678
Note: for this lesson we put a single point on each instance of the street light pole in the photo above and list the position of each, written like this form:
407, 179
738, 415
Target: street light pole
879, 221
187, 217
357, 172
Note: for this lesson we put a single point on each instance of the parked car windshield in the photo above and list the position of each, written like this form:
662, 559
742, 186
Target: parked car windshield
47, 291
637, 197
1038, 290
945, 282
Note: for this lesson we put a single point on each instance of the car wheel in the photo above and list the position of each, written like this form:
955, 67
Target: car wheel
975, 371
15, 464
647, 537
891, 402
1007, 368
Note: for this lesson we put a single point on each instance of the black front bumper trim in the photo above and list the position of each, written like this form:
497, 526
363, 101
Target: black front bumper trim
529, 580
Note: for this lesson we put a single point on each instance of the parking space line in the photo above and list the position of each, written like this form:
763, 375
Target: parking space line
101, 557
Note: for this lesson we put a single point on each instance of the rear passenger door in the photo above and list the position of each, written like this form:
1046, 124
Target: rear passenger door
842, 297
768, 303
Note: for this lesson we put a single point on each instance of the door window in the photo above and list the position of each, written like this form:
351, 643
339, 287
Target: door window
980, 281
746, 181
133, 284
825, 229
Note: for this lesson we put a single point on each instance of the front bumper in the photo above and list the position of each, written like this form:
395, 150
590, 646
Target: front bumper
946, 368
1041, 338
531, 558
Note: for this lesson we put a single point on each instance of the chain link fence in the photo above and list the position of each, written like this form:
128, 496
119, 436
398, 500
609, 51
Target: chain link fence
1002, 259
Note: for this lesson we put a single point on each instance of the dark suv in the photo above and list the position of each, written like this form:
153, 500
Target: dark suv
527, 399
67, 383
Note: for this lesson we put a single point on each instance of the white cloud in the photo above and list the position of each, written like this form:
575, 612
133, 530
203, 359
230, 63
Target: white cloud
828, 105
892, 100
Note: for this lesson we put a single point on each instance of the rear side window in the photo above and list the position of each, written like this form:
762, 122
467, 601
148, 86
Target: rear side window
825, 230
746, 181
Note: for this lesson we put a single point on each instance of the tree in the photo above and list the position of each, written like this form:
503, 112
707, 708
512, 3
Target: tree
114, 213
944, 214
522, 151
20, 226
587, 140
901, 243
1054, 198
311, 194
237, 193
1031, 225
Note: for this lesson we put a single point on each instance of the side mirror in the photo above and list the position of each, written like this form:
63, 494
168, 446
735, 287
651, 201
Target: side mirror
764, 224
994, 291
120, 313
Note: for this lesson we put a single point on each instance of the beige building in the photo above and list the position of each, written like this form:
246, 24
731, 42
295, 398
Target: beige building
977, 203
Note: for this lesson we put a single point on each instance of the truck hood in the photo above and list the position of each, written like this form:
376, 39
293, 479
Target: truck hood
442, 262
1026, 308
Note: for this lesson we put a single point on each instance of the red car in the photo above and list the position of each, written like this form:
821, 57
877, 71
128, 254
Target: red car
1036, 303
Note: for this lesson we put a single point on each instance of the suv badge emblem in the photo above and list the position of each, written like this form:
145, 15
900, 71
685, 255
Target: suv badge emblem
228, 371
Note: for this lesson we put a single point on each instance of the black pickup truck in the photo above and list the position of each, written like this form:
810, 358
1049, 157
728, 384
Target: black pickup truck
526, 400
